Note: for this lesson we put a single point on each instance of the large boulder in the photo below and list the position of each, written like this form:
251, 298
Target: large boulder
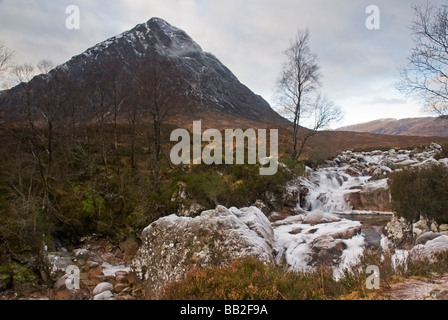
371, 198
173, 245
327, 250
430, 248
427, 236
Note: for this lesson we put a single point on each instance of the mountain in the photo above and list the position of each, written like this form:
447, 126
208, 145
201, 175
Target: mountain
425, 126
206, 89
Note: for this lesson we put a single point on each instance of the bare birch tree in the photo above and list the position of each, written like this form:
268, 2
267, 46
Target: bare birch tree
297, 86
426, 71
6, 59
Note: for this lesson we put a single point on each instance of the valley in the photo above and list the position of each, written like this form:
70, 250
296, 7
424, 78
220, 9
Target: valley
117, 184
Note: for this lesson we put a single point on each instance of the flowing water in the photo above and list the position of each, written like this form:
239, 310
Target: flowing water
353, 186
328, 189
372, 226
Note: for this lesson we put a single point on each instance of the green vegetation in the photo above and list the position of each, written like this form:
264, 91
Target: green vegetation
418, 192
91, 185
18, 276
236, 185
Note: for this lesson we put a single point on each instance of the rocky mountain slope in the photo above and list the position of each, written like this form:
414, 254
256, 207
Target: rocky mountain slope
205, 87
426, 126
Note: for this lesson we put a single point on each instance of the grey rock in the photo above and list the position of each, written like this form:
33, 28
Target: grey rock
105, 295
425, 237
173, 245
102, 287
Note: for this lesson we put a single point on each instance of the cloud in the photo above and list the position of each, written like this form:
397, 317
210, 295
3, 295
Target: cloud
247, 36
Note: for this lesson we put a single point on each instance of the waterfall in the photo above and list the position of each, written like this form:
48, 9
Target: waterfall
327, 189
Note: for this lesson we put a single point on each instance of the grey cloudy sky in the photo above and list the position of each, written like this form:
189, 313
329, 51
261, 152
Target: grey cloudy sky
359, 66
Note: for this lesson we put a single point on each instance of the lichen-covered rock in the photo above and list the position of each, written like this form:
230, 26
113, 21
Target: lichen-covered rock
173, 245
398, 231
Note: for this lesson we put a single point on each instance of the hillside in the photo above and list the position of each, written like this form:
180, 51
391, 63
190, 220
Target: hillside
425, 126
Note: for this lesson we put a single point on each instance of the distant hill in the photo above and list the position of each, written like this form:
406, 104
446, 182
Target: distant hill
425, 126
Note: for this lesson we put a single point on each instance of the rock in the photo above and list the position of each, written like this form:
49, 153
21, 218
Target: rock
444, 162
374, 199
304, 191
354, 200
429, 163
435, 146
105, 295
327, 250
425, 237
58, 262
420, 227
353, 172
388, 163
318, 216
121, 273
82, 253
119, 287
431, 247
443, 227
398, 231
439, 294
262, 206
61, 283
272, 200
173, 245
102, 287
346, 233
291, 197
295, 231
122, 279
380, 172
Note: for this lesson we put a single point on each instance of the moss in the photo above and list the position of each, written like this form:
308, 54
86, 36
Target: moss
18, 277
18, 272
